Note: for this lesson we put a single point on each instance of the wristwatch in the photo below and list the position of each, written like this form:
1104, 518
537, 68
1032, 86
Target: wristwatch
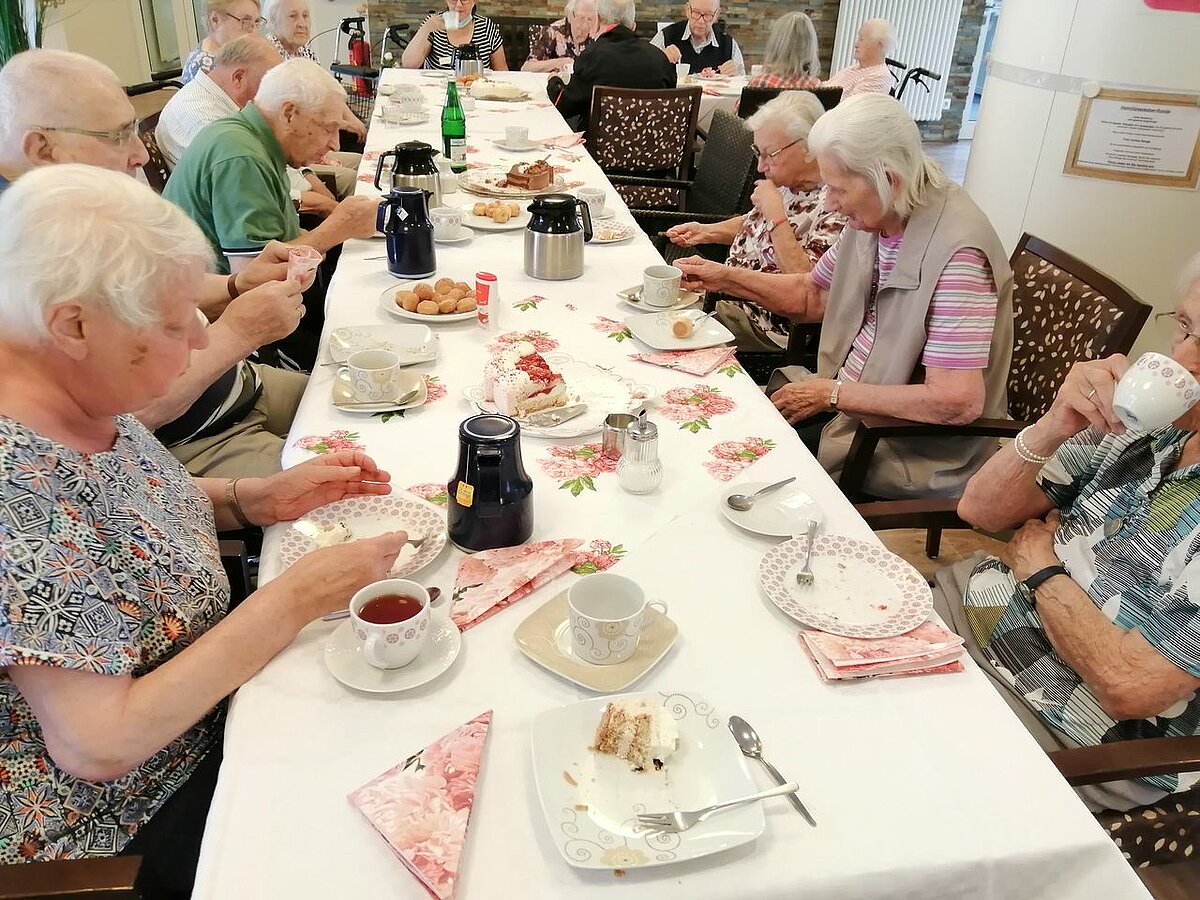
1038, 578
776, 222
833, 397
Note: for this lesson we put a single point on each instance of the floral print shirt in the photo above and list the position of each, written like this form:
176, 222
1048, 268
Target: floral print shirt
199, 60
108, 564
752, 248
305, 51
554, 42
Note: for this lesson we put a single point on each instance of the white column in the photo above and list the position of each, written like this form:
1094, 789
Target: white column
1139, 235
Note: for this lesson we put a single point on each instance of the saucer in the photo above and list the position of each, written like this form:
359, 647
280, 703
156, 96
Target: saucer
343, 658
632, 296
545, 637
343, 394
517, 148
600, 217
464, 235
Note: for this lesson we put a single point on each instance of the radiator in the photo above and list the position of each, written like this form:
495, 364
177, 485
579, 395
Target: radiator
926, 31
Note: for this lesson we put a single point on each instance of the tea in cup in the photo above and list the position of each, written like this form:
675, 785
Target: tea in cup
374, 375
595, 198
516, 136
390, 618
447, 222
607, 614
660, 286
1154, 392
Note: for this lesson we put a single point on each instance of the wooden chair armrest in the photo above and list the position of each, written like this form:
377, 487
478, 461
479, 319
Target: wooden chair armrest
882, 515
1128, 759
102, 878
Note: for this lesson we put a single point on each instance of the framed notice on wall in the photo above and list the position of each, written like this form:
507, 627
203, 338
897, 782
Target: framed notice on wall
1139, 137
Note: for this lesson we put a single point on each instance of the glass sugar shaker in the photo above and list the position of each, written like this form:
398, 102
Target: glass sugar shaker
640, 471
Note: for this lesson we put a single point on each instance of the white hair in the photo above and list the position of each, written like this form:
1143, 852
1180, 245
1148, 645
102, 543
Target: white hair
75, 233
272, 11
299, 81
38, 87
617, 12
794, 111
881, 31
791, 48
873, 136
572, 5
1189, 278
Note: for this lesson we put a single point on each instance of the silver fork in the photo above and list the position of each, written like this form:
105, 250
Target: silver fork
684, 819
805, 576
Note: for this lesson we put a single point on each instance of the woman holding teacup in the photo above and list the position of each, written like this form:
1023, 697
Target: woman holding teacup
432, 47
117, 643
556, 46
1088, 622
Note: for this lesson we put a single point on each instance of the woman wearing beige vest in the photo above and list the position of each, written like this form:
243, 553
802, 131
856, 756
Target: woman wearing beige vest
914, 301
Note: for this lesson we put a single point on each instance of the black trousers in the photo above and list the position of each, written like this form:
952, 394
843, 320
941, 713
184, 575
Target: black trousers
169, 843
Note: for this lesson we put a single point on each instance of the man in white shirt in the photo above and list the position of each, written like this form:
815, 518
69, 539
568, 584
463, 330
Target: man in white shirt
232, 83
869, 73
700, 42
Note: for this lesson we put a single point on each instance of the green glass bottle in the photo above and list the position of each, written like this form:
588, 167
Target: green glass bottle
454, 130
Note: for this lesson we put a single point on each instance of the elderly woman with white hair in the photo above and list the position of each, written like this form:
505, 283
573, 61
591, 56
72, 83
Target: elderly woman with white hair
555, 46
918, 263
789, 228
868, 74
226, 19
288, 28
118, 645
790, 59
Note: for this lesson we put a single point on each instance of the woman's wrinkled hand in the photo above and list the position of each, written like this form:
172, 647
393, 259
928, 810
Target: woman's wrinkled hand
1032, 547
1086, 399
767, 199
687, 234
290, 494
324, 580
803, 399
700, 274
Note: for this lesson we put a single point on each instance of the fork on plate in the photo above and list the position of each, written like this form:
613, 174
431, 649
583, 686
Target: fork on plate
682, 820
805, 576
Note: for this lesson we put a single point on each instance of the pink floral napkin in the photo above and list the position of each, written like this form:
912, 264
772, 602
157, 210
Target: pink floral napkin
563, 140
693, 362
422, 807
490, 580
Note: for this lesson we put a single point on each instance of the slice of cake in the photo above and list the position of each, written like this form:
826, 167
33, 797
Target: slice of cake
637, 731
501, 364
531, 387
529, 176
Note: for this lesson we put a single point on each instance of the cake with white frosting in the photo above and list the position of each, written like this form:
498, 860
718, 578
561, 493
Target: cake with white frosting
638, 732
520, 382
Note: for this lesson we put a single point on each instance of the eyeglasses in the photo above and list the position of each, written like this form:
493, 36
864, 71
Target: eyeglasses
1181, 331
248, 23
118, 137
702, 17
774, 153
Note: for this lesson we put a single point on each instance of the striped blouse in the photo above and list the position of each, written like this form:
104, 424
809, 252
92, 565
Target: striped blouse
962, 313
485, 35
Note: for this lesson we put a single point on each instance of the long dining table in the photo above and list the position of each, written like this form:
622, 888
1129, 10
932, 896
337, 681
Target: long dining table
923, 787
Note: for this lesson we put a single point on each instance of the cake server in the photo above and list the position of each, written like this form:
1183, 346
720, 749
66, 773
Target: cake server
551, 417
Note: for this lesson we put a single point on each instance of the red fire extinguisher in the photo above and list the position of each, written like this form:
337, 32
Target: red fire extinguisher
358, 50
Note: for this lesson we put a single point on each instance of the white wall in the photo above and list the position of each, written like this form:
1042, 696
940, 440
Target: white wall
107, 30
1138, 234
327, 14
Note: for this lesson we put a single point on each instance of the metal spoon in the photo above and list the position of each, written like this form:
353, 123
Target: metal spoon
380, 405
749, 743
434, 593
743, 502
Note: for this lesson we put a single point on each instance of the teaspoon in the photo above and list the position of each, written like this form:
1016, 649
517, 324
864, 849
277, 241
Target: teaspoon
743, 502
750, 744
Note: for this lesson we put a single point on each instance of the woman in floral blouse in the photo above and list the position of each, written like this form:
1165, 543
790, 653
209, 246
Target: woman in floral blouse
789, 227
117, 643
226, 20
555, 46
790, 59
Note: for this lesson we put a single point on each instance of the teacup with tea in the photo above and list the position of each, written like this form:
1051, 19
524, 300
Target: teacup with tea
390, 618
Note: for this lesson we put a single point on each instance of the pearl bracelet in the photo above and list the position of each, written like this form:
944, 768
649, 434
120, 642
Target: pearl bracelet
1025, 453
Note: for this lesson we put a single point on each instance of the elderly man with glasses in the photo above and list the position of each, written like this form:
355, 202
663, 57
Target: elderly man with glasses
701, 41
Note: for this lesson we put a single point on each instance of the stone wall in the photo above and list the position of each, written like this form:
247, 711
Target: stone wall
748, 20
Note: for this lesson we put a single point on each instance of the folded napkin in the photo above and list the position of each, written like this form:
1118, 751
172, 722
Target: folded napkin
693, 362
422, 807
927, 649
490, 580
563, 140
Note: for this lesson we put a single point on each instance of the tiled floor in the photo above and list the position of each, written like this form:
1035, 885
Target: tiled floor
953, 158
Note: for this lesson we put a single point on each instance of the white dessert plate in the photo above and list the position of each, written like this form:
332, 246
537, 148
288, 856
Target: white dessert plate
405, 120
603, 391
600, 217
632, 296
483, 92
463, 235
655, 331
859, 590
612, 232
344, 399
387, 302
486, 182
371, 516
517, 148
545, 637
591, 800
785, 512
412, 343
485, 223
344, 659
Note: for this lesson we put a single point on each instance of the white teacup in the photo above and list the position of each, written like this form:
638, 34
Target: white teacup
516, 135
607, 614
408, 90
660, 285
595, 198
467, 101
1154, 392
408, 104
447, 222
755, 71
682, 71
391, 644
374, 375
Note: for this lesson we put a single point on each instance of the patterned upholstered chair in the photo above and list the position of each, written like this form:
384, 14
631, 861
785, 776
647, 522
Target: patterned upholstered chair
651, 133
753, 98
156, 169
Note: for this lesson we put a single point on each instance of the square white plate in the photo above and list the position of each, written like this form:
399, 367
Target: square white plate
590, 800
655, 331
413, 343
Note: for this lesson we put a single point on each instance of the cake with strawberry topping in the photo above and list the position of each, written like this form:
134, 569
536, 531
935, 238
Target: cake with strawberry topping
520, 382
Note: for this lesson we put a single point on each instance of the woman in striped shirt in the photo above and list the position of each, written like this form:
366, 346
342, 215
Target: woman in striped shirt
432, 47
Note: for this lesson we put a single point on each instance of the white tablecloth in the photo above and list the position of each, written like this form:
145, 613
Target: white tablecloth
719, 95
922, 788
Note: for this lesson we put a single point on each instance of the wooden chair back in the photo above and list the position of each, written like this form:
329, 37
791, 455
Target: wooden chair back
753, 98
157, 171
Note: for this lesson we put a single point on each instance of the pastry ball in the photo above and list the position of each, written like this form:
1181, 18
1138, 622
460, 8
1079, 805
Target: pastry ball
428, 308
443, 285
424, 291
682, 327
462, 286
480, 209
448, 305
456, 293
466, 304
501, 216
407, 300
514, 209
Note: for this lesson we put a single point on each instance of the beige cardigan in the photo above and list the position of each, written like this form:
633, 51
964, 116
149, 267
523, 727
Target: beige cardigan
946, 223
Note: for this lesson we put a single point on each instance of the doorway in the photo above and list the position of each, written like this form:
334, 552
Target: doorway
987, 33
